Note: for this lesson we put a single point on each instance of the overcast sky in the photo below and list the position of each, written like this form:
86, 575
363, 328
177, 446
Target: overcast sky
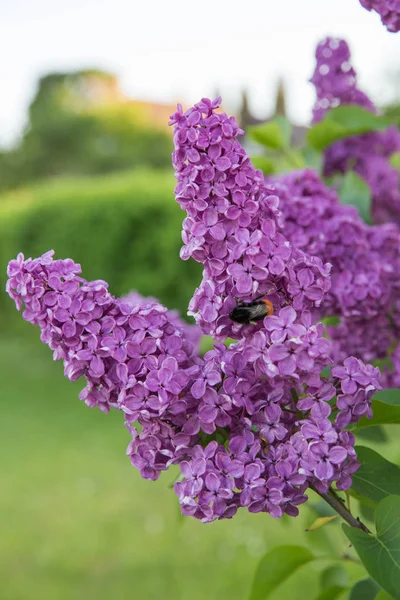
181, 50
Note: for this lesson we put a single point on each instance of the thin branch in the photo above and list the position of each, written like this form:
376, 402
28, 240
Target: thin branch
334, 501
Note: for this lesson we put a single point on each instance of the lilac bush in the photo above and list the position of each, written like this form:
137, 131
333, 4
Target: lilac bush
271, 411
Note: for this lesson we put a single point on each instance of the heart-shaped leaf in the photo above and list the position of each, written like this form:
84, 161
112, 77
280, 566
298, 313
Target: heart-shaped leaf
385, 410
366, 589
265, 164
380, 553
334, 580
334, 575
344, 121
391, 396
377, 477
331, 593
275, 567
268, 135
274, 135
376, 434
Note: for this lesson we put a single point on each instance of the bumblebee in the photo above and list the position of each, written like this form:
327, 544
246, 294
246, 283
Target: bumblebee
257, 310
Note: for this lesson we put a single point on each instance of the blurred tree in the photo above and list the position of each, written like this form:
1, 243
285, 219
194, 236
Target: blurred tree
81, 123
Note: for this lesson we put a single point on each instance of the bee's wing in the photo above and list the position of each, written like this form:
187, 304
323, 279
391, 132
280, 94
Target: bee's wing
258, 312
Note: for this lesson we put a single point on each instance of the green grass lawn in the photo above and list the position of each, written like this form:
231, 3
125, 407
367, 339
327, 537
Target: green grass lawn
78, 522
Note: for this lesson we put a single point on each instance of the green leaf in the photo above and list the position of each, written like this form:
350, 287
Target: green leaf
334, 575
377, 477
320, 522
268, 135
367, 513
207, 343
391, 397
331, 321
313, 159
382, 414
331, 593
357, 119
326, 372
274, 135
373, 434
384, 596
367, 502
323, 134
385, 410
366, 589
383, 363
380, 553
344, 121
292, 159
265, 164
334, 580
395, 160
275, 567
286, 128
356, 192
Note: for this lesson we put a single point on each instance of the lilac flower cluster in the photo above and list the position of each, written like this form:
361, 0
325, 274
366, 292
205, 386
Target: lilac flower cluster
264, 401
191, 332
335, 79
271, 377
389, 11
113, 344
335, 82
233, 225
365, 259
272, 434
365, 262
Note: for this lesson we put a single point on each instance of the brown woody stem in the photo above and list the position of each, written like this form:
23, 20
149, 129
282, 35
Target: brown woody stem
334, 501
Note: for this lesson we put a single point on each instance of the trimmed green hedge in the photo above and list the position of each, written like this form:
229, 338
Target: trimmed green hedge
123, 228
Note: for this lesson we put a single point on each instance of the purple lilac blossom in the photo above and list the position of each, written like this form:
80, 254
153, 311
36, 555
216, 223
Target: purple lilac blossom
233, 226
275, 419
191, 332
389, 11
113, 344
365, 258
365, 261
214, 178
336, 84
135, 359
